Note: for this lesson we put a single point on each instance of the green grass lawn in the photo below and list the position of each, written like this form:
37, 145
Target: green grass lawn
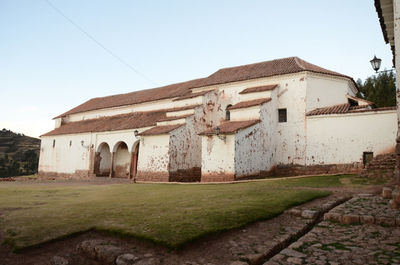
168, 214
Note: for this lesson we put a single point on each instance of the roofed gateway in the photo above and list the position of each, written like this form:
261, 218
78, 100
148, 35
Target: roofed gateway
284, 116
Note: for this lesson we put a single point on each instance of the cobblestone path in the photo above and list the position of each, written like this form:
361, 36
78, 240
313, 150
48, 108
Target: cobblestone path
332, 242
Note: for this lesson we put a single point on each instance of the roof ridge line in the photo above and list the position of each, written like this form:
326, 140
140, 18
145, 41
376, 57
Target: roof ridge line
296, 59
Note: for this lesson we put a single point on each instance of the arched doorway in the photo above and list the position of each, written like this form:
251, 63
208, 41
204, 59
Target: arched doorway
103, 160
134, 161
121, 164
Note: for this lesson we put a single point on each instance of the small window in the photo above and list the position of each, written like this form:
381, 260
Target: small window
367, 157
282, 115
54, 143
70, 143
228, 113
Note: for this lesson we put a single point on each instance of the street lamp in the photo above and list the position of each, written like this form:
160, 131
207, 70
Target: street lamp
376, 63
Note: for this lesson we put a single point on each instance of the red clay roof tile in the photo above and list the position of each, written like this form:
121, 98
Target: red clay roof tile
158, 130
172, 118
250, 103
258, 89
225, 75
111, 123
230, 127
117, 122
192, 95
345, 109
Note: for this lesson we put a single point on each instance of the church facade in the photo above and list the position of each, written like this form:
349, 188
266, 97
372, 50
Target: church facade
280, 117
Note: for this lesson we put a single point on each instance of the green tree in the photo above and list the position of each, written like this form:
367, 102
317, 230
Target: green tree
380, 89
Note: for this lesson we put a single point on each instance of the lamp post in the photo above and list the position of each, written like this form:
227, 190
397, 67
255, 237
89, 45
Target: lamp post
376, 64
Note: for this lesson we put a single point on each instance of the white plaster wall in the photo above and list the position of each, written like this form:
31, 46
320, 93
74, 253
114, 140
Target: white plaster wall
255, 95
186, 143
173, 122
218, 156
251, 113
323, 91
65, 158
185, 147
291, 135
337, 139
154, 154
255, 147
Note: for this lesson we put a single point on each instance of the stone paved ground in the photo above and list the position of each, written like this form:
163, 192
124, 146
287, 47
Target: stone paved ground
334, 243
374, 206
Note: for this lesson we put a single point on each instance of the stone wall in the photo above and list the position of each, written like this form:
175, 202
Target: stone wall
297, 170
382, 166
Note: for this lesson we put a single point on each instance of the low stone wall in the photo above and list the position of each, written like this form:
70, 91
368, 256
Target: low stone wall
382, 166
297, 170
365, 209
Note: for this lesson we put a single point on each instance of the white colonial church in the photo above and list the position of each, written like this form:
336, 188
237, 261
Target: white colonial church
285, 116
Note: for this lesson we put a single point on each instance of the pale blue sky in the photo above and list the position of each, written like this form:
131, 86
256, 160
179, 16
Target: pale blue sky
48, 67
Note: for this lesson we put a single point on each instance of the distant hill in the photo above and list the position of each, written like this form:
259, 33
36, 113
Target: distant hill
19, 154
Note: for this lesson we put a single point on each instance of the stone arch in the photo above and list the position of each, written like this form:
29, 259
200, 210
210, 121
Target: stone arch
121, 160
102, 164
134, 159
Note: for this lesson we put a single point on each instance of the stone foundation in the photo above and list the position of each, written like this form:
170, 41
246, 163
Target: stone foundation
152, 176
186, 175
79, 174
217, 177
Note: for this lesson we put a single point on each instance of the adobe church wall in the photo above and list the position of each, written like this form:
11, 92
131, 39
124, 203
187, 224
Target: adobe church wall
342, 138
218, 158
255, 147
153, 163
291, 135
66, 154
185, 143
324, 91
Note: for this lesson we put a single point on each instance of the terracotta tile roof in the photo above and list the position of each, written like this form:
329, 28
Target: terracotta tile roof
264, 69
250, 103
161, 130
192, 95
355, 110
118, 122
230, 127
111, 123
258, 89
344, 109
165, 92
222, 76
